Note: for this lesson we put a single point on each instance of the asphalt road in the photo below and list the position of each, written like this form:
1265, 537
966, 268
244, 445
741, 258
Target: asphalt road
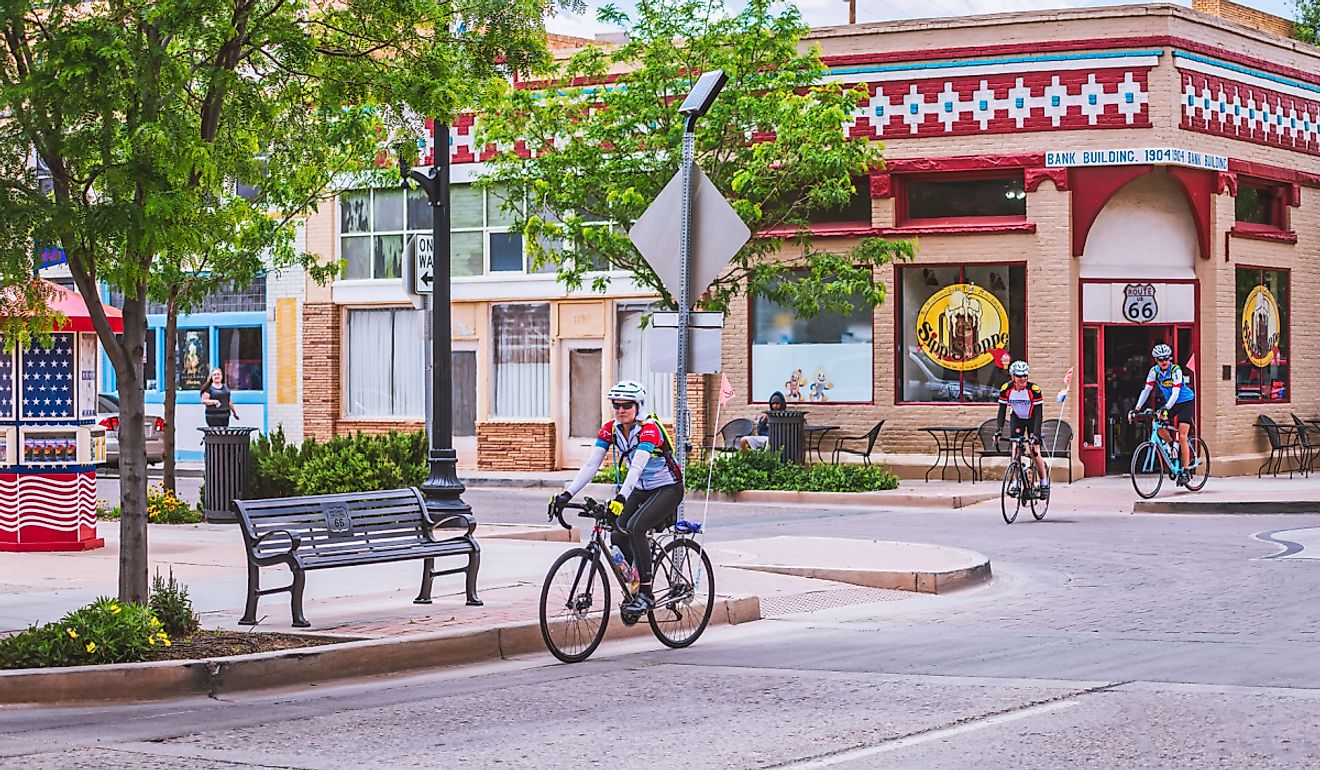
1107, 640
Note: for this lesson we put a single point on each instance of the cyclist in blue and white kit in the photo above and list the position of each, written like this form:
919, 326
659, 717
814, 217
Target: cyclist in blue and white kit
1178, 401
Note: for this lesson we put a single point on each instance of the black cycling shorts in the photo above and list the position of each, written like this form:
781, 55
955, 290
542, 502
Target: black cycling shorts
1183, 413
1018, 427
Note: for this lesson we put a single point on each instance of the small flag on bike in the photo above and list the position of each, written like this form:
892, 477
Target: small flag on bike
1067, 383
726, 390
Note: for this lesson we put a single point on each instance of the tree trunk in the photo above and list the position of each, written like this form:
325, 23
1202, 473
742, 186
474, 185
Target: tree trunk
171, 384
132, 453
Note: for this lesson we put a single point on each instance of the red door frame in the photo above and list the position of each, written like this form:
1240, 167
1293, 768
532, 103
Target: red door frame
1093, 458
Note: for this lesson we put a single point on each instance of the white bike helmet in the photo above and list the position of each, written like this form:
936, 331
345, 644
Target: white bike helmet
1019, 369
1161, 351
629, 390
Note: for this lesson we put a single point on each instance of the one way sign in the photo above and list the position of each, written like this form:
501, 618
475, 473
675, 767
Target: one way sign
419, 255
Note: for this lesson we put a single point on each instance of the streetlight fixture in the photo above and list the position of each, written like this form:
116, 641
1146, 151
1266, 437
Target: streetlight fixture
442, 490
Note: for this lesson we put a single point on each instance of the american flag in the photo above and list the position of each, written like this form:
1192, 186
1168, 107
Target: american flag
47, 386
6, 383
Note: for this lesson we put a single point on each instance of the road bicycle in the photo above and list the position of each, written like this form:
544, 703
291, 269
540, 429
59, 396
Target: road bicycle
1022, 484
575, 599
1155, 457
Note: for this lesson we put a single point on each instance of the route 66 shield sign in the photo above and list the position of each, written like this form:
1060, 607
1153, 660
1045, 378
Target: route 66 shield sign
1139, 305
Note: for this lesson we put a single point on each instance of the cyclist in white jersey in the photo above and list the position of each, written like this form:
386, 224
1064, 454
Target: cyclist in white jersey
1179, 408
1027, 403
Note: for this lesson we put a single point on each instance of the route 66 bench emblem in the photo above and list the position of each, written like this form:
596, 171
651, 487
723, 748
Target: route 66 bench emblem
337, 519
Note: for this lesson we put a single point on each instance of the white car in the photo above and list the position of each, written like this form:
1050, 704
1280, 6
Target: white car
107, 414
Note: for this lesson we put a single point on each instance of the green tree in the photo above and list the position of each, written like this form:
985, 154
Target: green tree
605, 144
145, 113
1306, 26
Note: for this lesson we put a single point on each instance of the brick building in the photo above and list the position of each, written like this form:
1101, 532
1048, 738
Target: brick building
1081, 184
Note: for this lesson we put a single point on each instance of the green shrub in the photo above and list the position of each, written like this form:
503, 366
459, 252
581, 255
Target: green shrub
608, 474
355, 463
105, 631
172, 606
738, 472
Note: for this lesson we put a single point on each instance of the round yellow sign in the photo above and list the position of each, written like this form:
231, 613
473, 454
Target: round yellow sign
962, 326
1260, 327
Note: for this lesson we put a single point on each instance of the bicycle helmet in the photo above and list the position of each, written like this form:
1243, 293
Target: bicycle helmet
1161, 351
629, 390
1019, 369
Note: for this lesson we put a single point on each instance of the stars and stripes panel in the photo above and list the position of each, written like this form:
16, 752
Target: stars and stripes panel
53, 511
6, 383
46, 389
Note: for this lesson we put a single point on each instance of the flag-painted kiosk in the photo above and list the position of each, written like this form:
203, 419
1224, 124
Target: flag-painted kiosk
49, 440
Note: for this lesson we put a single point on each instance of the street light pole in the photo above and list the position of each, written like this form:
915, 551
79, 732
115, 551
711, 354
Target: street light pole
442, 490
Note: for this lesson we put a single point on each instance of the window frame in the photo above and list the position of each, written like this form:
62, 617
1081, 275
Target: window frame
345, 391
1285, 322
488, 205
901, 182
751, 376
1281, 230
371, 233
899, 350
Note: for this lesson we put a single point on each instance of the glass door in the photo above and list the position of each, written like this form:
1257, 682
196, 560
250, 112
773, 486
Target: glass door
1092, 437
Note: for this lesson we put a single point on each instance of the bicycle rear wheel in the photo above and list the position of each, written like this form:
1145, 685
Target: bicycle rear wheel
1147, 470
1199, 473
684, 593
1039, 504
575, 606
1011, 502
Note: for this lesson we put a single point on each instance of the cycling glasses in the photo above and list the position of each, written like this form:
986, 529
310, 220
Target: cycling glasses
1163, 360
623, 404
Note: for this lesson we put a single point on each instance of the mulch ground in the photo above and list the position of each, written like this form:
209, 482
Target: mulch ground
214, 644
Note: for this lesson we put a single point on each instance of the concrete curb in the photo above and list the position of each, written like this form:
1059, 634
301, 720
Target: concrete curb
893, 498
901, 580
161, 680
1226, 506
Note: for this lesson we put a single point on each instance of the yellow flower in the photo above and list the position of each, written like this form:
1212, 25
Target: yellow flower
151, 640
155, 623
91, 646
115, 609
72, 634
167, 643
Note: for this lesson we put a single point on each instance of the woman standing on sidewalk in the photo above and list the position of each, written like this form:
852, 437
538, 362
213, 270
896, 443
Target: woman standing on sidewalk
218, 401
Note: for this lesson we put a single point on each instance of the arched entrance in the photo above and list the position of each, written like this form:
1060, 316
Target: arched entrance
1138, 288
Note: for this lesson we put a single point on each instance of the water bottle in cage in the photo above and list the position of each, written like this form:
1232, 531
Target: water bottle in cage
627, 570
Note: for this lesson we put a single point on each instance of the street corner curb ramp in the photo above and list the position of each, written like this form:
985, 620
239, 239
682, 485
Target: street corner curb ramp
164, 680
913, 567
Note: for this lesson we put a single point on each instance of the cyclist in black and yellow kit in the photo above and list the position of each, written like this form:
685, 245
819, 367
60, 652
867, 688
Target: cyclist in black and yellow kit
1025, 399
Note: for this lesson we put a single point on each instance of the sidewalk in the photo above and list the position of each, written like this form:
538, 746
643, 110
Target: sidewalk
371, 607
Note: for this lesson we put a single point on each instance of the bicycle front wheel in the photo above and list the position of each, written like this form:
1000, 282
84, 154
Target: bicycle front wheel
1040, 503
575, 606
684, 594
1010, 494
1147, 470
1199, 472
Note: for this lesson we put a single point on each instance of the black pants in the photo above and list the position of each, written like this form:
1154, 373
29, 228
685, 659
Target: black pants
220, 420
643, 511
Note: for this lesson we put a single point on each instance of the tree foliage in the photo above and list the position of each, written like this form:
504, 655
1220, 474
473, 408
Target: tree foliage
1306, 26
127, 123
605, 137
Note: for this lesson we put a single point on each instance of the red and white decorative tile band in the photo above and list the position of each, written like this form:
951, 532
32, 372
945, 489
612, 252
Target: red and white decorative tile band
1252, 106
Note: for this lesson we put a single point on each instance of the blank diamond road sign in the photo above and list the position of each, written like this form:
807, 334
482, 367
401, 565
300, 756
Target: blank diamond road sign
717, 233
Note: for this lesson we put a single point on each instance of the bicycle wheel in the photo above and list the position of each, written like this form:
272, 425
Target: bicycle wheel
575, 606
684, 594
1039, 505
1010, 504
1199, 473
1147, 470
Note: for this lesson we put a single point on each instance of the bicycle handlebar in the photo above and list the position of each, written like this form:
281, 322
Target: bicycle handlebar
590, 508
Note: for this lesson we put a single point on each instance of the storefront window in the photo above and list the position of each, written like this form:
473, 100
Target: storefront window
374, 227
522, 360
1262, 344
960, 327
194, 363
384, 367
961, 198
241, 357
823, 359
149, 364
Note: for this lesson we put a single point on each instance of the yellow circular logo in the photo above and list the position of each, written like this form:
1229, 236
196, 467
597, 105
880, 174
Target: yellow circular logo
962, 327
1260, 327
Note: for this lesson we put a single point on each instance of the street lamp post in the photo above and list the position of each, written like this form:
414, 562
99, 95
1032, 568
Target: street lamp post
442, 489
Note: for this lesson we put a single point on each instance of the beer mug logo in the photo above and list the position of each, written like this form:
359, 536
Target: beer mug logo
962, 326
1260, 327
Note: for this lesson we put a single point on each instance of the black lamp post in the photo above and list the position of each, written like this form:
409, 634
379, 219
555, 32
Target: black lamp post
442, 490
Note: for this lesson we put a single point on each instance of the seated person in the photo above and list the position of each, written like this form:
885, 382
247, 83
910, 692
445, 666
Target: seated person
760, 437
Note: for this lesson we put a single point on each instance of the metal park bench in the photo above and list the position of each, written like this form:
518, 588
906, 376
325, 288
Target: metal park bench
342, 530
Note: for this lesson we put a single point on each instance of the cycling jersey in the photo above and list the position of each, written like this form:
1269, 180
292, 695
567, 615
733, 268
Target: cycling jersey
1027, 404
1172, 387
660, 469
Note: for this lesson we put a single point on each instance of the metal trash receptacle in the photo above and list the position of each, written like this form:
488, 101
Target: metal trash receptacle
228, 452
786, 435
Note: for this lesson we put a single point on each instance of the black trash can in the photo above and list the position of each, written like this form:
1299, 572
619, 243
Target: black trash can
227, 455
786, 435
